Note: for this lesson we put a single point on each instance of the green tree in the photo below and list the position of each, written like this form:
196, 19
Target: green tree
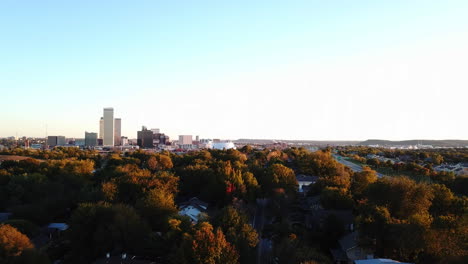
99, 228
238, 232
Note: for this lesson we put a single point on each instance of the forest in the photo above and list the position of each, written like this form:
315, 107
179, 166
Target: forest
130, 202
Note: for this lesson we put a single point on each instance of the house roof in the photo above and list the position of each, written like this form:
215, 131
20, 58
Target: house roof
4, 216
306, 178
59, 226
191, 212
194, 201
378, 261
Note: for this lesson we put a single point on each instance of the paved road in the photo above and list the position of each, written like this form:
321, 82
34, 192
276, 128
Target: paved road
264, 245
353, 166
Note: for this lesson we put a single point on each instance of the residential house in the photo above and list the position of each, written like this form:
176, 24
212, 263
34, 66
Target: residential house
193, 208
304, 181
350, 250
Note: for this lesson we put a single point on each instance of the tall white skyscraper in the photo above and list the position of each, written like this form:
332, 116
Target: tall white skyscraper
101, 128
108, 139
117, 131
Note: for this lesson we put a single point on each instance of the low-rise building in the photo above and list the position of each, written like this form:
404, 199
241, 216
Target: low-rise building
193, 208
305, 181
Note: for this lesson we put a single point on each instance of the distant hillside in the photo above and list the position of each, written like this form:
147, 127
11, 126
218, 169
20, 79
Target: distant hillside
305, 142
435, 143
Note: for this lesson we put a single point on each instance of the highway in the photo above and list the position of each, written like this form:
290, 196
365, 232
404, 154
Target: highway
353, 166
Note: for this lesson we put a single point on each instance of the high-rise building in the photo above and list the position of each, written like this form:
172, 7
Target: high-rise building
90, 139
124, 141
101, 128
185, 140
117, 132
145, 138
108, 138
155, 130
53, 141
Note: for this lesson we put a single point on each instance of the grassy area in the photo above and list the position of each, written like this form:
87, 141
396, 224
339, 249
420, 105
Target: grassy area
393, 173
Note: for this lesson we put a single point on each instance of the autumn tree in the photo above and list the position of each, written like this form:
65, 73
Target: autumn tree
157, 207
361, 180
12, 243
210, 247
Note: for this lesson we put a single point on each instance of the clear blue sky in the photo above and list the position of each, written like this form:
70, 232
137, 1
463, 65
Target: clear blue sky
236, 69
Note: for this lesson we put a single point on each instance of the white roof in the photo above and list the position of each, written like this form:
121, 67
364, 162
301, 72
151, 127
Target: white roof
191, 212
224, 145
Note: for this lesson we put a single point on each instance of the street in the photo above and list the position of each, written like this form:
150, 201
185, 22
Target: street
265, 245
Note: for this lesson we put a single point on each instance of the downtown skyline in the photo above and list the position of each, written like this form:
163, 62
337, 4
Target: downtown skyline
301, 70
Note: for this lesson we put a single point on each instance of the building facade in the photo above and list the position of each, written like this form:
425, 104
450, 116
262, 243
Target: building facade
91, 139
108, 139
145, 138
117, 132
53, 141
185, 140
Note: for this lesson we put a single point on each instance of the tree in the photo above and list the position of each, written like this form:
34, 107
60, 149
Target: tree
402, 196
442, 202
336, 198
362, 179
99, 228
157, 207
238, 232
279, 176
12, 242
210, 247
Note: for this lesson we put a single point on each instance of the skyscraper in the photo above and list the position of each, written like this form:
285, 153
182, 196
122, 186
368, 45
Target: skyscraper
108, 138
117, 132
101, 128
145, 138
90, 139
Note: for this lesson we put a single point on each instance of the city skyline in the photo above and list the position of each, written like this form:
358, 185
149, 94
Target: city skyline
302, 70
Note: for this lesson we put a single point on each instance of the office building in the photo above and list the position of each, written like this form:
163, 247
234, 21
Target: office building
117, 131
145, 138
124, 141
155, 130
90, 139
108, 137
53, 141
101, 128
185, 140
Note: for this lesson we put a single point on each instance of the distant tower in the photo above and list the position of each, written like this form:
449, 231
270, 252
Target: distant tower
101, 128
118, 131
108, 138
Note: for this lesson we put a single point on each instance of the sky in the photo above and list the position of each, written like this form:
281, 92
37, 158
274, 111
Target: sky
310, 69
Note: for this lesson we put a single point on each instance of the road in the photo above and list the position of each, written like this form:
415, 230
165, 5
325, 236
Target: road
264, 245
355, 167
